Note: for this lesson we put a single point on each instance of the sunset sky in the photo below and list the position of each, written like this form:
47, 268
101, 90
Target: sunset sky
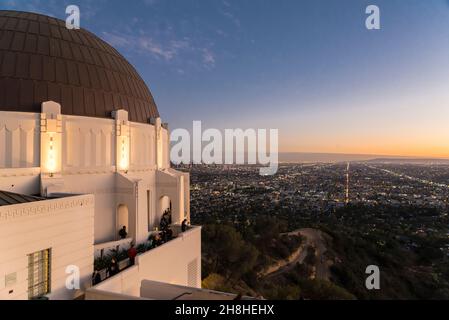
308, 68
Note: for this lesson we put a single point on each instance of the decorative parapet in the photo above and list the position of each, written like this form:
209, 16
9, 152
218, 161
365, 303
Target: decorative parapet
43, 207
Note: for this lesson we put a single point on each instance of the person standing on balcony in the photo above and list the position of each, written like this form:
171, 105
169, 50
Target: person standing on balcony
184, 225
166, 220
167, 234
122, 233
157, 240
113, 268
132, 253
96, 277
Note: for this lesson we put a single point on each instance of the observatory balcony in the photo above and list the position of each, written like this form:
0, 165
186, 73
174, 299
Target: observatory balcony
159, 263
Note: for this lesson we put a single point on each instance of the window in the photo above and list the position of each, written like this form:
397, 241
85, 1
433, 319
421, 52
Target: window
39, 268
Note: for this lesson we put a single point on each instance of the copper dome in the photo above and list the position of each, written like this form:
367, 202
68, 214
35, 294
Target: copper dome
41, 60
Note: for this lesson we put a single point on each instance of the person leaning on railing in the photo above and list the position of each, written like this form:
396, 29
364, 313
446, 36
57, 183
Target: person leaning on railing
113, 268
132, 253
96, 277
157, 240
184, 225
167, 234
165, 220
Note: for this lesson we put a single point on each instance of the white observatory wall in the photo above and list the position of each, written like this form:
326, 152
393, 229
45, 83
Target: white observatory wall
19, 139
19, 152
165, 148
177, 262
143, 147
64, 225
88, 145
147, 217
89, 166
102, 186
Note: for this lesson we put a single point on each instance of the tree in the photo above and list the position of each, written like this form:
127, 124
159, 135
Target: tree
226, 251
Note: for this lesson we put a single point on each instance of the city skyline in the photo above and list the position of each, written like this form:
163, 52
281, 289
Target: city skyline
309, 68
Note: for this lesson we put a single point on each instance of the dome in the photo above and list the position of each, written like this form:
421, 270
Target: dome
41, 60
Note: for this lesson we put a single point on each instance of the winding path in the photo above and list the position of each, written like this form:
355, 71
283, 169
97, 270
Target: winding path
314, 238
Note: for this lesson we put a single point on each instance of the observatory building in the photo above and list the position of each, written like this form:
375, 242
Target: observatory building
83, 153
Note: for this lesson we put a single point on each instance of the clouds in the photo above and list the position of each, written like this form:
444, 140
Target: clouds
227, 12
181, 41
116, 40
164, 51
177, 52
208, 58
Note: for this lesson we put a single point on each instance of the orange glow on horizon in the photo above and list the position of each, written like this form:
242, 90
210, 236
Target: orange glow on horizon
392, 149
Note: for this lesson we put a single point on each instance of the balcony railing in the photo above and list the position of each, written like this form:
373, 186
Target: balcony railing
118, 250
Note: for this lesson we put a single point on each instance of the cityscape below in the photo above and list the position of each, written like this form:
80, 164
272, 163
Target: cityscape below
326, 221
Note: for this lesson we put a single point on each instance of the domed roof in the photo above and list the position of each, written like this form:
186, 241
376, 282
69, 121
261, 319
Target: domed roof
41, 60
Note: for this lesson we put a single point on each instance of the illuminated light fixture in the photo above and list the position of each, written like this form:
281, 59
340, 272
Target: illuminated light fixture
51, 164
51, 138
122, 140
124, 153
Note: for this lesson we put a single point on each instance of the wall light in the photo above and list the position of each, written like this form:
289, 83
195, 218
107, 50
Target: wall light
123, 155
51, 163
51, 138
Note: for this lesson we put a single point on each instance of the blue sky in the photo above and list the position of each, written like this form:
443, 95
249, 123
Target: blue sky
309, 68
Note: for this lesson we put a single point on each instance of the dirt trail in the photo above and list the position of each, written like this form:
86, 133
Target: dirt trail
314, 238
